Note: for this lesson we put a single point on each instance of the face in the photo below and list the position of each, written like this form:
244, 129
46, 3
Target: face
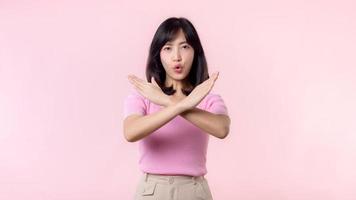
177, 58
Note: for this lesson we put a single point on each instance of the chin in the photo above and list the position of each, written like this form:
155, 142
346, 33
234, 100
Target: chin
179, 77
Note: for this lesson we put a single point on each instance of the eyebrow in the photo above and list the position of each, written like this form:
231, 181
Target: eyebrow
183, 42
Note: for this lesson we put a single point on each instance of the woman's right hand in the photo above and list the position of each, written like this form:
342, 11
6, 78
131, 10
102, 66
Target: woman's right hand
150, 90
199, 92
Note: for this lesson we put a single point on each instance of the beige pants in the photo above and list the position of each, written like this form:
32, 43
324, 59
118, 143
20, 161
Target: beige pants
164, 187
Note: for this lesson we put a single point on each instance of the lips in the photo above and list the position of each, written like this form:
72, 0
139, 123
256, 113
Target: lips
178, 68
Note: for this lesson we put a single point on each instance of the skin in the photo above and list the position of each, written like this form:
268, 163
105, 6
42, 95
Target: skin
175, 52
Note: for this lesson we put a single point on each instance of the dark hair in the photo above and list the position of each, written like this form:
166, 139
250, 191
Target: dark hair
166, 32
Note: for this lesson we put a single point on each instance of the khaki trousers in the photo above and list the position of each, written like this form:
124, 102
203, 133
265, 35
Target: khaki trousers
168, 187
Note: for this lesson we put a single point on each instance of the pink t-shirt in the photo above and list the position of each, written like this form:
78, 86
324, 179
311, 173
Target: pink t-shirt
178, 147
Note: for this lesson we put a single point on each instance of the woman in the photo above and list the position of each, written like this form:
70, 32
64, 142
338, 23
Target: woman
172, 115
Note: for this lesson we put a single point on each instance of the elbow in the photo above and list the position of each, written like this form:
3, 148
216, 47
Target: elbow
131, 130
129, 137
224, 128
224, 132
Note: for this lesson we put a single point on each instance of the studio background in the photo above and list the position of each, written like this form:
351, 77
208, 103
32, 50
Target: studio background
287, 75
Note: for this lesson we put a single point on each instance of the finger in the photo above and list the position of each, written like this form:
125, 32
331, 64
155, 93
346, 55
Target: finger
212, 79
215, 75
154, 81
138, 89
136, 83
138, 79
129, 77
135, 78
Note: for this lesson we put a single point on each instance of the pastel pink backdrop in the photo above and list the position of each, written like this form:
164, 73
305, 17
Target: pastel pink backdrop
287, 75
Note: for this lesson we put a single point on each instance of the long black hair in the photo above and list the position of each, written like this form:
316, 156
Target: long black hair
166, 32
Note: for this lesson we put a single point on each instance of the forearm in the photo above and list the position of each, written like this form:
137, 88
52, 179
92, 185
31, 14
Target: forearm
138, 127
214, 124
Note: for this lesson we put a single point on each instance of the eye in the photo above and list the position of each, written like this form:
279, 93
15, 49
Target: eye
166, 48
186, 47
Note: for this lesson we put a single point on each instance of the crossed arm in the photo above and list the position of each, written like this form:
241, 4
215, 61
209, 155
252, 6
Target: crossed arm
137, 127
217, 125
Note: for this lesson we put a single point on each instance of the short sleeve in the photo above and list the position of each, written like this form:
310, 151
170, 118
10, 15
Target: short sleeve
134, 103
216, 105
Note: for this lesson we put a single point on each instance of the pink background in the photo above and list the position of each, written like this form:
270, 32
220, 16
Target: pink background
287, 75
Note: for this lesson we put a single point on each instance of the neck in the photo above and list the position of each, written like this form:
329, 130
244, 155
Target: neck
178, 86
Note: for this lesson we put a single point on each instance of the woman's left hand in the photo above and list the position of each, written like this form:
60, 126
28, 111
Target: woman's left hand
150, 90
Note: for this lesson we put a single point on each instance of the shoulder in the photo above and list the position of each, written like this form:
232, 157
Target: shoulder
214, 103
213, 96
210, 98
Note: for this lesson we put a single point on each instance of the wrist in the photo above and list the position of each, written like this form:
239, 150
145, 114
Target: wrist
169, 102
181, 106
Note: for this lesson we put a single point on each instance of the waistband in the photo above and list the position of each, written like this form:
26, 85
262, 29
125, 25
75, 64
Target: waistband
170, 179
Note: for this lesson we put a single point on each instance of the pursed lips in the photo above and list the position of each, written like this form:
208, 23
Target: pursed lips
177, 66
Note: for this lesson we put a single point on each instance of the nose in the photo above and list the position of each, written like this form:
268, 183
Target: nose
176, 55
